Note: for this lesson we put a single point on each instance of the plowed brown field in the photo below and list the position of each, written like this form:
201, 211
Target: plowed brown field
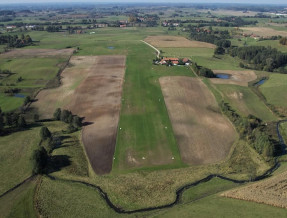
92, 89
271, 191
176, 42
204, 135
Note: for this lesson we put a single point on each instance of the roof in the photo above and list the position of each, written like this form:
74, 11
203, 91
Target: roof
170, 59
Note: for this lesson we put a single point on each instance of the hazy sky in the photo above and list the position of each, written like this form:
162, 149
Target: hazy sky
152, 1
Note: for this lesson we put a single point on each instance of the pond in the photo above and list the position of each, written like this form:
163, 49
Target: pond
18, 95
260, 82
111, 47
222, 76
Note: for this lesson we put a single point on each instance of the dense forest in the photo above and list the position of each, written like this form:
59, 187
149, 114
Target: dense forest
260, 58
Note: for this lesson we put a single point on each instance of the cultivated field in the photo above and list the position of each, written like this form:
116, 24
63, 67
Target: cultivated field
263, 31
91, 88
176, 42
203, 134
272, 191
20, 53
236, 77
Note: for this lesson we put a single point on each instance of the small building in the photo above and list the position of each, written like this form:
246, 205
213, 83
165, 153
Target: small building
174, 61
101, 25
123, 25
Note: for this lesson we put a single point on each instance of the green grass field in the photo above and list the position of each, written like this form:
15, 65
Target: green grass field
141, 130
274, 89
246, 102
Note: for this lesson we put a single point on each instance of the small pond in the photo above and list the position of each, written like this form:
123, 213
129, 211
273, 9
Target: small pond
260, 82
111, 47
18, 95
222, 76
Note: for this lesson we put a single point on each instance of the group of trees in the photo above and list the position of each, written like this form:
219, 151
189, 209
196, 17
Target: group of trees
53, 28
10, 122
283, 41
66, 116
219, 38
206, 72
260, 57
14, 41
252, 130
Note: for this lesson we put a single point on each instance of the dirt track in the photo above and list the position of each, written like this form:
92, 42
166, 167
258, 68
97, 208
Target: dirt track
91, 88
204, 135
176, 42
237, 77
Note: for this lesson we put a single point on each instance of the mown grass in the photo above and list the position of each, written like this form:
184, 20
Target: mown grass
16, 151
274, 89
64, 199
216, 206
144, 119
10, 103
20, 202
246, 102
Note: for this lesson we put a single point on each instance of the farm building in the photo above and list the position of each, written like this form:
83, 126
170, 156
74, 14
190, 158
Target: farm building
174, 61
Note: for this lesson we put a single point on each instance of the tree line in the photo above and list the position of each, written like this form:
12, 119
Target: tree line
261, 58
14, 41
252, 130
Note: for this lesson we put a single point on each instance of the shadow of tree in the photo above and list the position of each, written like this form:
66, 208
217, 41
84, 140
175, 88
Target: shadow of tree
57, 162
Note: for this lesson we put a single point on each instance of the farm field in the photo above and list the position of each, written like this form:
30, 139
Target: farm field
100, 88
274, 90
263, 31
176, 42
246, 102
271, 191
151, 135
203, 134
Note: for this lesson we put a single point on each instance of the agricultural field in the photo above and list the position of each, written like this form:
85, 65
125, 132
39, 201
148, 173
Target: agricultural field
263, 31
246, 102
274, 88
271, 191
176, 42
197, 121
142, 139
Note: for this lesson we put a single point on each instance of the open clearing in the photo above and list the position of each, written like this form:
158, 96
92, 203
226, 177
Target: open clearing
92, 89
176, 42
263, 31
272, 191
204, 135
20, 53
237, 77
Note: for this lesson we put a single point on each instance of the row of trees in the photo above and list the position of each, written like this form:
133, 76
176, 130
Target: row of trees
66, 116
260, 57
252, 130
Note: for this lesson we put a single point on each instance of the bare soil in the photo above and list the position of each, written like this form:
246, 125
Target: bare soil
176, 42
37, 53
92, 89
271, 191
237, 77
204, 135
263, 31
